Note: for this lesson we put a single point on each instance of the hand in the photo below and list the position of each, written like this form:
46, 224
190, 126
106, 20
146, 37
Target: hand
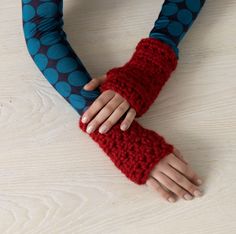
109, 107
172, 175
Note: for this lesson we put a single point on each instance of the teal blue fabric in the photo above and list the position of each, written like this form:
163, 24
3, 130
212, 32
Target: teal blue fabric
174, 20
48, 46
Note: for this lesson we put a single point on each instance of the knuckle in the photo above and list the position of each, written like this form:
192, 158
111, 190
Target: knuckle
148, 182
157, 187
121, 109
132, 111
185, 170
109, 108
179, 178
154, 174
194, 177
109, 123
164, 195
168, 183
180, 192
191, 188
100, 102
118, 96
126, 104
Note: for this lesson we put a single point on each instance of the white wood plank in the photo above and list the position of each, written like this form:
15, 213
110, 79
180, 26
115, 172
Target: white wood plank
54, 179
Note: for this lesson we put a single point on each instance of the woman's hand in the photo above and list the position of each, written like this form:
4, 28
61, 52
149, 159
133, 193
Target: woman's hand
173, 177
107, 109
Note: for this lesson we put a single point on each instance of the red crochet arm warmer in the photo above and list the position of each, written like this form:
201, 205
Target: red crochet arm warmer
140, 80
135, 151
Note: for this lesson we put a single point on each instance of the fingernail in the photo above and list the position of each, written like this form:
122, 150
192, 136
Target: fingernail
197, 193
188, 196
103, 129
199, 181
123, 127
84, 119
89, 129
171, 199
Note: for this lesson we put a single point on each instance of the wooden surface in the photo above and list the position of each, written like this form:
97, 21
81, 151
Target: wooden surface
55, 180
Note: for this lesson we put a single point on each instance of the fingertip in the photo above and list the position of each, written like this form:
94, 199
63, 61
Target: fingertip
124, 127
85, 87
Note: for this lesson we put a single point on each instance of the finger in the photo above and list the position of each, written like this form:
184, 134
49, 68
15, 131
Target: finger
130, 116
114, 117
181, 180
183, 168
94, 83
98, 104
104, 113
171, 185
177, 153
156, 186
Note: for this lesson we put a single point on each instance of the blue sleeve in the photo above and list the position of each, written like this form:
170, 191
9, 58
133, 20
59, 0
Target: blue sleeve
175, 19
47, 44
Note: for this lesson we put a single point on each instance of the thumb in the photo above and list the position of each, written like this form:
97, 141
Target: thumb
94, 83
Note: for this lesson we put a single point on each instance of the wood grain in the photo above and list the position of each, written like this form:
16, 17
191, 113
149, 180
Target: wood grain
55, 180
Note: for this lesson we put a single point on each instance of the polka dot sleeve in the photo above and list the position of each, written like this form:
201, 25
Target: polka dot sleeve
175, 19
47, 44
134, 152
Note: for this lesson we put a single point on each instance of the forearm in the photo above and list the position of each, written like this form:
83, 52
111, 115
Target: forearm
141, 79
47, 44
174, 21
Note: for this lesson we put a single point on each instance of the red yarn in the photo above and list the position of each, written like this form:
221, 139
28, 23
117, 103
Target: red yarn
135, 151
141, 79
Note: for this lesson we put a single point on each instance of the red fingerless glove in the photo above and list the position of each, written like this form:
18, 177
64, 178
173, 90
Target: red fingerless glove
135, 151
140, 80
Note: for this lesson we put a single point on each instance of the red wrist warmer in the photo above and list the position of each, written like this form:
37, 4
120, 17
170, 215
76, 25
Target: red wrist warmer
140, 80
135, 151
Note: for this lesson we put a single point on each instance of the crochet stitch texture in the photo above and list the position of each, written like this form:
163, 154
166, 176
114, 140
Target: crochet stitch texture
141, 79
135, 152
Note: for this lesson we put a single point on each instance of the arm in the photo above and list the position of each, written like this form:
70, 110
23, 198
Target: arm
174, 21
47, 45
136, 151
141, 79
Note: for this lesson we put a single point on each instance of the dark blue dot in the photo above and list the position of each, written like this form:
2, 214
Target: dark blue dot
169, 9
90, 94
28, 12
161, 23
67, 65
41, 60
48, 9
57, 51
33, 46
50, 38
175, 28
185, 16
77, 101
29, 30
51, 75
63, 88
78, 78
193, 5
